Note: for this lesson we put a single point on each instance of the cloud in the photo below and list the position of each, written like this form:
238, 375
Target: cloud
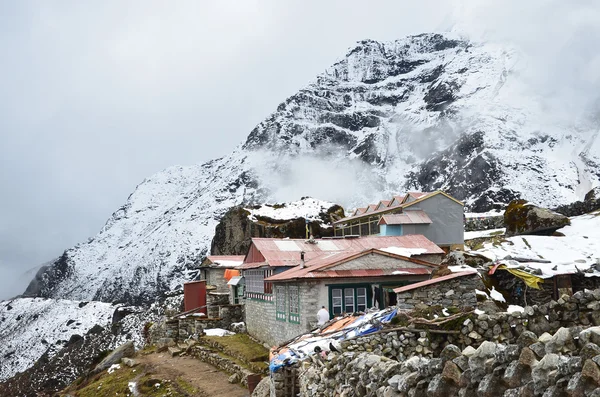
557, 42
320, 175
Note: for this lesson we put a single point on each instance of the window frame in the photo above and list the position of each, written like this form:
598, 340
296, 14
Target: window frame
294, 304
346, 295
280, 302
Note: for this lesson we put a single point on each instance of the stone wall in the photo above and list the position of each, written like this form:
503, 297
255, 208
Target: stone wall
563, 364
224, 364
484, 223
262, 324
215, 277
191, 326
213, 302
545, 347
457, 292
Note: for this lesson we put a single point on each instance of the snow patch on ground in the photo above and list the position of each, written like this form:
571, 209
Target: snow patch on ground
514, 308
484, 233
497, 296
484, 214
218, 332
578, 250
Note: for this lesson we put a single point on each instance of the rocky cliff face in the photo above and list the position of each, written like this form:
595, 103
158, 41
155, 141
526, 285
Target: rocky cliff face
234, 232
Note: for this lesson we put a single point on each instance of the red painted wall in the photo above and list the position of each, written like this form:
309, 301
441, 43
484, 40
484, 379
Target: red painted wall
194, 296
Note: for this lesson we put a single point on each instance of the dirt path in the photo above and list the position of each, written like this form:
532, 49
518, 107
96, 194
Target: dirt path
209, 380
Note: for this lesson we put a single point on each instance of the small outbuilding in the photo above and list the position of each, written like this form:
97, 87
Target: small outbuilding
217, 270
453, 290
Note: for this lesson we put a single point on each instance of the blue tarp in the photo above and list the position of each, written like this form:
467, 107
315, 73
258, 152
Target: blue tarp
360, 327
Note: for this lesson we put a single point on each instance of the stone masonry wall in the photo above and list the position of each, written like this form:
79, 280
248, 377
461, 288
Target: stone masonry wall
213, 358
261, 321
546, 349
191, 326
563, 364
457, 292
484, 223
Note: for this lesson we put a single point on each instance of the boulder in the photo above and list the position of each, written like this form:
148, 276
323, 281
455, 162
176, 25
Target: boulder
174, 351
130, 362
522, 218
126, 350
164, 343
263, 389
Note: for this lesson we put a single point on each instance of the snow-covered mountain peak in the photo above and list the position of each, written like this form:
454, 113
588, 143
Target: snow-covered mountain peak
426, 112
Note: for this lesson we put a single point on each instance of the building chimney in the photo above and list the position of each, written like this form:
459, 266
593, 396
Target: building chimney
302, 259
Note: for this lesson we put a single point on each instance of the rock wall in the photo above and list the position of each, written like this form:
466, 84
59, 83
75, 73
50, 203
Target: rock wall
590, 203
222, 363
234, 232
192, 326
546, 347
262, 322
484, 223
551, 365
458, 292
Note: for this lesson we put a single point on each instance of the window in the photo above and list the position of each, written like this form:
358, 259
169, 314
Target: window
294, 304
349, 300
268, 287
255, 281
336, 300
280, 302
361, 299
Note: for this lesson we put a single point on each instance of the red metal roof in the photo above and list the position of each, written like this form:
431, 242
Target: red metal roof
371, 208
418, 196
434, 281
318, 268
254, 265
360, 211
286, 252
390, 207
366, 273
384, 203
405, 218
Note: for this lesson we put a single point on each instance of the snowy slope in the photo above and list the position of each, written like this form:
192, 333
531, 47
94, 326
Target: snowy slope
578, 250
424, 112
307, 208
31, 326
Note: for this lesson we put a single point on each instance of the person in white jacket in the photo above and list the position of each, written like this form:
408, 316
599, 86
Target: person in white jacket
322, 316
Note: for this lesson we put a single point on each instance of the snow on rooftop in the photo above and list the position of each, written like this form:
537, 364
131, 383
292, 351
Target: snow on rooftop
577, 251
408, 252
308, 208
221, 263
396, 272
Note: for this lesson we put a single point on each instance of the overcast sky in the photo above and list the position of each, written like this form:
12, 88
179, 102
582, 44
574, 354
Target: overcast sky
96, 96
